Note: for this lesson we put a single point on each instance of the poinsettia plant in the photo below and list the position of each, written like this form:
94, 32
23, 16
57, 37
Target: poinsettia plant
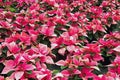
59, 39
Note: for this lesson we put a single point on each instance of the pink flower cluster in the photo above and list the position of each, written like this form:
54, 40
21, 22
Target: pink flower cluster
60, 39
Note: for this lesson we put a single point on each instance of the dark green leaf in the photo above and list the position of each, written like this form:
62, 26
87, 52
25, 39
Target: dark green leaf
9, 73
44, 40
1, 67
29, 72
76, 9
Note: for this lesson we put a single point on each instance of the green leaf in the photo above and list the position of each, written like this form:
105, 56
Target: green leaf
58, 32
77, 78
52, 67
103, 69
12, 9
118, 0
55, 51
80, 67
9, 73
1, 67
96, 72
63, 67
4, 0
4, 52
55, 72
90, 79
44, 40
29, 72
98, 3
76, 9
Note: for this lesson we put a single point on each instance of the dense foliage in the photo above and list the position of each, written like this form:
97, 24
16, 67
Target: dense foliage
59, 39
